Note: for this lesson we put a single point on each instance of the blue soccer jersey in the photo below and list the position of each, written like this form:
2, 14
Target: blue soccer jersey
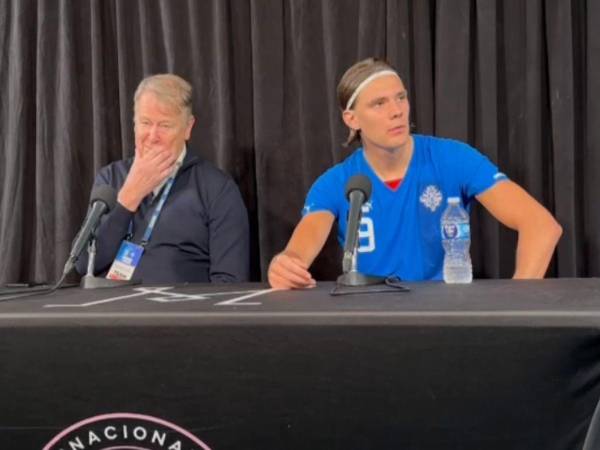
399, 233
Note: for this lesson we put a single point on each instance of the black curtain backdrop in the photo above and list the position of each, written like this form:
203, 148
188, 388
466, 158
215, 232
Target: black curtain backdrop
517, 79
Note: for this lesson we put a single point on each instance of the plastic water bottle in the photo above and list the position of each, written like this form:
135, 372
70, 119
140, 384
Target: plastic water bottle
456, 239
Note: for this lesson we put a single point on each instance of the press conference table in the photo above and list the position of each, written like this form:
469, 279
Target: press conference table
498, 364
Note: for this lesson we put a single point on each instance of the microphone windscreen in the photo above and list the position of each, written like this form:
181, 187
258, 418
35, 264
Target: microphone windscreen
105, 194
359, 183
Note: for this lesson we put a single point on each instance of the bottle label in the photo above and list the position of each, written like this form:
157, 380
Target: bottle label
456, 231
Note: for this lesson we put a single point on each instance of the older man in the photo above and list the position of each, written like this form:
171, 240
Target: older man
201, 228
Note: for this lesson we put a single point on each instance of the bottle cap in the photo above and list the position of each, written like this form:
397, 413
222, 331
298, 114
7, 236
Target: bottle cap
454, 200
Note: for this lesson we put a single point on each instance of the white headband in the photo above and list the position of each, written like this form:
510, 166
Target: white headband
366, 81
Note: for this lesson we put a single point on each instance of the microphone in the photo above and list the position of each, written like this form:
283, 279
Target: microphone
358, 191
103, 199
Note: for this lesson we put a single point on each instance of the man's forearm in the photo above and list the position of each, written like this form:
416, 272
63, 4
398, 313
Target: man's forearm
535, 249
309, 237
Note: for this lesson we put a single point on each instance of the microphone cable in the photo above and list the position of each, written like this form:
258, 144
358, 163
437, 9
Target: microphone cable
35, 290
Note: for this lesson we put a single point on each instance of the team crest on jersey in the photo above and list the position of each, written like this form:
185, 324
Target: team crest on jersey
431, 197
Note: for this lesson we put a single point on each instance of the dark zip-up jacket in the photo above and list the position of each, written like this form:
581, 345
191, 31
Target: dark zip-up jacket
201, 234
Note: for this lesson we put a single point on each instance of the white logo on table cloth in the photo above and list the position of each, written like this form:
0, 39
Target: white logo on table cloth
125, 431
164, 295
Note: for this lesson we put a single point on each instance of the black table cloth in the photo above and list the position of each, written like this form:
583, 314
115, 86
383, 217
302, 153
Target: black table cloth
498, 364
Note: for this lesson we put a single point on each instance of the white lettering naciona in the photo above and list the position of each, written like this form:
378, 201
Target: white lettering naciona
112, 433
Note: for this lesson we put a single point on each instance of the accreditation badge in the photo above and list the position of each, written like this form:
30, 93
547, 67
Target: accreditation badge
127, 259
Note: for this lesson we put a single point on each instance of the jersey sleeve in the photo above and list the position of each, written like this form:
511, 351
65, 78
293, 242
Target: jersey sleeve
324, 195
477, 172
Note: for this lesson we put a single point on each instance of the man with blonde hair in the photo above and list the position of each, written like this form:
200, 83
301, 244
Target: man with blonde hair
178, 218
412, 177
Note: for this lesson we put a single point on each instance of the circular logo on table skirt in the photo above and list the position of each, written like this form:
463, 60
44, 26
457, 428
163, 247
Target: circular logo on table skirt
125, 431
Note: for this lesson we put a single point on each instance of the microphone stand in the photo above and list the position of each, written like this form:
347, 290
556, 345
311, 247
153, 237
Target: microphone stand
351, 276
89, 281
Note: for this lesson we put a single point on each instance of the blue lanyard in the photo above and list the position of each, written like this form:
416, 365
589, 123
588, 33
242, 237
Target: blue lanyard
155, 214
